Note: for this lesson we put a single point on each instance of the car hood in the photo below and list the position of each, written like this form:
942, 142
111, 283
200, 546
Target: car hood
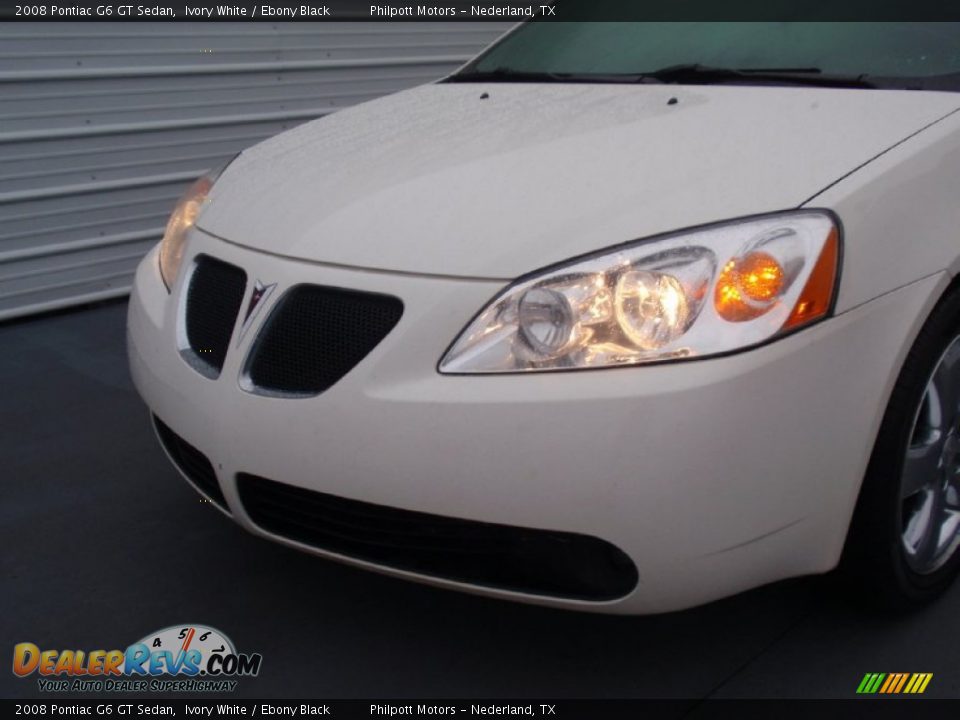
494, 181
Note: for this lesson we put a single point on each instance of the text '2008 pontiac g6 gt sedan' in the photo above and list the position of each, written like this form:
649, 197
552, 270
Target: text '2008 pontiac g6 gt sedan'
621, 317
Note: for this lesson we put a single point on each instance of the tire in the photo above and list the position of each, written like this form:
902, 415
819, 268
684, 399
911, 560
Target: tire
903, 548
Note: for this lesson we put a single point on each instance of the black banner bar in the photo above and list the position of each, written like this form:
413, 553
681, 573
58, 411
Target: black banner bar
474, 10
872, 708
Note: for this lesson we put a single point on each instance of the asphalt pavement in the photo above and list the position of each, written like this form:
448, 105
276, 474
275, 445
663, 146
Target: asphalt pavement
104, 543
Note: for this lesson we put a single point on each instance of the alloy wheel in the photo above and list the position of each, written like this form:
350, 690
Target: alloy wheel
930, 477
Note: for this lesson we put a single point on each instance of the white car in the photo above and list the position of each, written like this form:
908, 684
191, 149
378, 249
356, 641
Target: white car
619, 317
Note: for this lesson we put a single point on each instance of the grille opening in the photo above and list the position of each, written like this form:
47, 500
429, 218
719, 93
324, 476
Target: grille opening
214, 297
314, 336
537, 562
193, 463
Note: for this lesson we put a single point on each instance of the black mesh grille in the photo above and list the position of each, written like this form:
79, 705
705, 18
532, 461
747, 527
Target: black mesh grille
213, 301
193, 463
315, 335
539, 562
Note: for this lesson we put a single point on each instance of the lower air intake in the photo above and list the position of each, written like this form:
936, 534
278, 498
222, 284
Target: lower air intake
191, 462
537, 562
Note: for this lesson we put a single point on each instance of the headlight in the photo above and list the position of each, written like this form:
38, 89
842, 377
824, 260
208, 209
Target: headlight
183, 217
692, 294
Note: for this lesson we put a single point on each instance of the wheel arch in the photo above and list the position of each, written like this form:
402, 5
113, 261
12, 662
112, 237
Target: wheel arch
864, 505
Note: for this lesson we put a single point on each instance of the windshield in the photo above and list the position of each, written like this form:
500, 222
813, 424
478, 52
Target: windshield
917, 54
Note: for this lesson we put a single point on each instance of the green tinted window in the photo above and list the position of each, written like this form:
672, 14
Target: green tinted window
877, 49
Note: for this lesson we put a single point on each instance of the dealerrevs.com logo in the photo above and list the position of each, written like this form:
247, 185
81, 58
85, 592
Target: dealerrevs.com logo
180, 658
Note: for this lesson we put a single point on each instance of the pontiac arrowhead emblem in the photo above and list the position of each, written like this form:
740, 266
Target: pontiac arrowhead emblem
260, 293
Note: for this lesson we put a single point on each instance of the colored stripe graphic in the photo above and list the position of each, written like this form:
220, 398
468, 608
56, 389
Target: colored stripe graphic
870, 683
903, 681
894, 683
891, 680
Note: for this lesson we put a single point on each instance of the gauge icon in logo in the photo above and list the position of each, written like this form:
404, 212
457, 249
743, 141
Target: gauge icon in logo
184, 649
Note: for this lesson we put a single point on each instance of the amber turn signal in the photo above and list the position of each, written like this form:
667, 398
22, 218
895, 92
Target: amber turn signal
814, 302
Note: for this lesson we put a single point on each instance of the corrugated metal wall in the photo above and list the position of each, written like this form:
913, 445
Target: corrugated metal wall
102, 125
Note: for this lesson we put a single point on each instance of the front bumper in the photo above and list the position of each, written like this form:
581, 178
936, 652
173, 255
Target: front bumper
713, 476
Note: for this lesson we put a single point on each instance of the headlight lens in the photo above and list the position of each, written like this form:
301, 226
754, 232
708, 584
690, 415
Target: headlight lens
693, 294
183, 217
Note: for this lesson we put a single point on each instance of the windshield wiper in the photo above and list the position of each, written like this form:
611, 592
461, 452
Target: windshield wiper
693, 74
503, 74
506, 75
705, 75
